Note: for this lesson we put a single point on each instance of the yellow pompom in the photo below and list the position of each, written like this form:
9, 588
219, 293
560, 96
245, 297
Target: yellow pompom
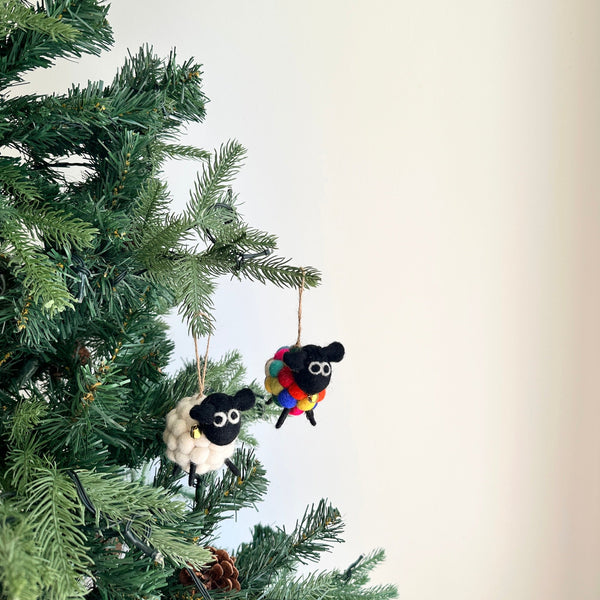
306, 404
273, 386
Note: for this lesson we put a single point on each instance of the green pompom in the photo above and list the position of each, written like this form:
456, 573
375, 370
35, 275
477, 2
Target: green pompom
275, 367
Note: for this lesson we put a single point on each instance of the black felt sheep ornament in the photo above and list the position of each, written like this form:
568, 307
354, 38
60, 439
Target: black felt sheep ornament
297, 377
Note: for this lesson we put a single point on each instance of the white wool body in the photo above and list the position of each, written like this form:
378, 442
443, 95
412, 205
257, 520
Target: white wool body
182, 448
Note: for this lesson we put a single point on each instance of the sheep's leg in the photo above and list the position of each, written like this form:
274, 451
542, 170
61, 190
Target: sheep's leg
282, 417
310, 415
193, 479
232, 468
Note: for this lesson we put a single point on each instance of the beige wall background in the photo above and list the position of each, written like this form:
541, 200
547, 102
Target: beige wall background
438, 161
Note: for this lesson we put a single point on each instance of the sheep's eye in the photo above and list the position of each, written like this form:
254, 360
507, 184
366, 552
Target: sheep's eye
234, 416
220, 419
315, 368
325, 369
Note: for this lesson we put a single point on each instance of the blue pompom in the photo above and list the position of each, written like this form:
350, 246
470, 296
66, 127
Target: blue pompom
285, 400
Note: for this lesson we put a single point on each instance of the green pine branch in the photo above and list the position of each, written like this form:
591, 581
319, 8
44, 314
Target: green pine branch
24, 460
22, 568
59, 227
174, 87
318, 529
121, 575
312, 586
274, 552
151, 513
15, 182
151, 209
195, 295
40, 278
39, 45
160, 245
221, 494
54, 511
14, 14
278, 271
326, 585
26, 416
353, 583
211, 186
180, 151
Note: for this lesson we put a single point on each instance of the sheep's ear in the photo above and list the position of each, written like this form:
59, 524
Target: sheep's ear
204, 412
244, 399
334, 352
294, 360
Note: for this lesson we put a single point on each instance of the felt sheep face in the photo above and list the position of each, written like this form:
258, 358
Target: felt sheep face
311, 365
219, 415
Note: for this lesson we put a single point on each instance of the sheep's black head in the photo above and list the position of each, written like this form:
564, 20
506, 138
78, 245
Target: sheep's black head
311, 365
219, 415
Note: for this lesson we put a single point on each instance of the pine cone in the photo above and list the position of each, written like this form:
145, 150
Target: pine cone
82, 354
221, 574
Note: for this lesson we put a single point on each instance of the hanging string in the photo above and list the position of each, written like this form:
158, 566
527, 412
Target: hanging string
201, 372
300, 308
205, 365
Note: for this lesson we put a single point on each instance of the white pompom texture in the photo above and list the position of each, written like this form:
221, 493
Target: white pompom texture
183, 448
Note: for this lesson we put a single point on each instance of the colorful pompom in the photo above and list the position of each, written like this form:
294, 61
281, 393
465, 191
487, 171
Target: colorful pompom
285, 400
296, 392
273, 386
306, 404
275, 367
279, 354
286, 377
268, 367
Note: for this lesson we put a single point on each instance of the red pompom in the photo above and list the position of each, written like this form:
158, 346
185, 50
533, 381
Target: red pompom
296, 392
286, 377
279, 354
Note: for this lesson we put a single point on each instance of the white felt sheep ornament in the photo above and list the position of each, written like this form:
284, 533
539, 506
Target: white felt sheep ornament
201, 431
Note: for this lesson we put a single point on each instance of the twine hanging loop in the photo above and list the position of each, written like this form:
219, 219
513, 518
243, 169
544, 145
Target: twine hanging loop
301, 289
201, 371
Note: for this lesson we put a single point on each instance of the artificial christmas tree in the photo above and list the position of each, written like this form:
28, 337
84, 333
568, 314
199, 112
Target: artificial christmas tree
89, 263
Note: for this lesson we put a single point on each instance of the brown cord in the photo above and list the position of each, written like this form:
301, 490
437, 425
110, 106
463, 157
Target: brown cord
201, 373
300, 308
205, 365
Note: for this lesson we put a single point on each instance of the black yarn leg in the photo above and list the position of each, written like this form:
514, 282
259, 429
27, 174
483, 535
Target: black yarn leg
232, 468
192, 479
282, 417
310, 415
